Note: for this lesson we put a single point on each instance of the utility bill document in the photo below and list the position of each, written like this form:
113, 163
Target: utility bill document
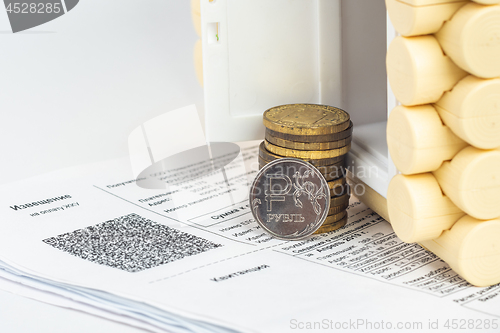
190, 256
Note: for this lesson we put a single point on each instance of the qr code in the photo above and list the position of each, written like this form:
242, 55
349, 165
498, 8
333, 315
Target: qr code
131, 243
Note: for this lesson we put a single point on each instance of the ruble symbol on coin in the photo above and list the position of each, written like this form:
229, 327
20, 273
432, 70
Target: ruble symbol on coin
290, 199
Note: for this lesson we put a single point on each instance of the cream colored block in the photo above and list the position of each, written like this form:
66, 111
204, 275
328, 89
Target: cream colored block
368, 196
435, 2
487, 2
418, 141
472, 39
198, 61
472, 111
427, 2
418, 210
472, 248
411, 20
418, 71
472, 181
196, 16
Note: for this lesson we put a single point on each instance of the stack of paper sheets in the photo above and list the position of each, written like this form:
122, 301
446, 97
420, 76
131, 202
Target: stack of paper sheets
190, 258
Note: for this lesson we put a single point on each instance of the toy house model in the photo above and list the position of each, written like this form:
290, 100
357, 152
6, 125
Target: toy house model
420, 79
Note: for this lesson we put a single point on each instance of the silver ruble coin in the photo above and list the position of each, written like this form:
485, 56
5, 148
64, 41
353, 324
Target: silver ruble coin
290, 199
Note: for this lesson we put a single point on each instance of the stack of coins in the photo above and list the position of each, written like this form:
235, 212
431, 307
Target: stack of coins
320, 135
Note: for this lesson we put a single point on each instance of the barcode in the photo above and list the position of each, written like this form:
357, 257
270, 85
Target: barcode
130, 243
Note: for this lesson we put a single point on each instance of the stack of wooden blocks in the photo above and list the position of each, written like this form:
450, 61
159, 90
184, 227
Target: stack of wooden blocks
445, 136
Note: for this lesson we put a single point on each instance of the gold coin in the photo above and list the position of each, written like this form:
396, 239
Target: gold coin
333, 171
339, 190
332, 227
336, 183
307, 154
330, 172
306, 145
306, 119
269, 156
337, 186
312, 138
338, 209
330, 219
340, 200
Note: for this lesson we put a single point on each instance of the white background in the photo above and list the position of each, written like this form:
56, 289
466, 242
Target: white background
72, 90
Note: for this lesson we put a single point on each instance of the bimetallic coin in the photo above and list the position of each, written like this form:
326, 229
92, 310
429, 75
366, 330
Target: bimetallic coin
329, 176
339, 190
330, 172
337, 209
290, 199
306, 119
340, 200
307, 154
332, 227
312, 138
263, 161
269, 156
336, 183
331, 219
337, 186
334, 171
308, 145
